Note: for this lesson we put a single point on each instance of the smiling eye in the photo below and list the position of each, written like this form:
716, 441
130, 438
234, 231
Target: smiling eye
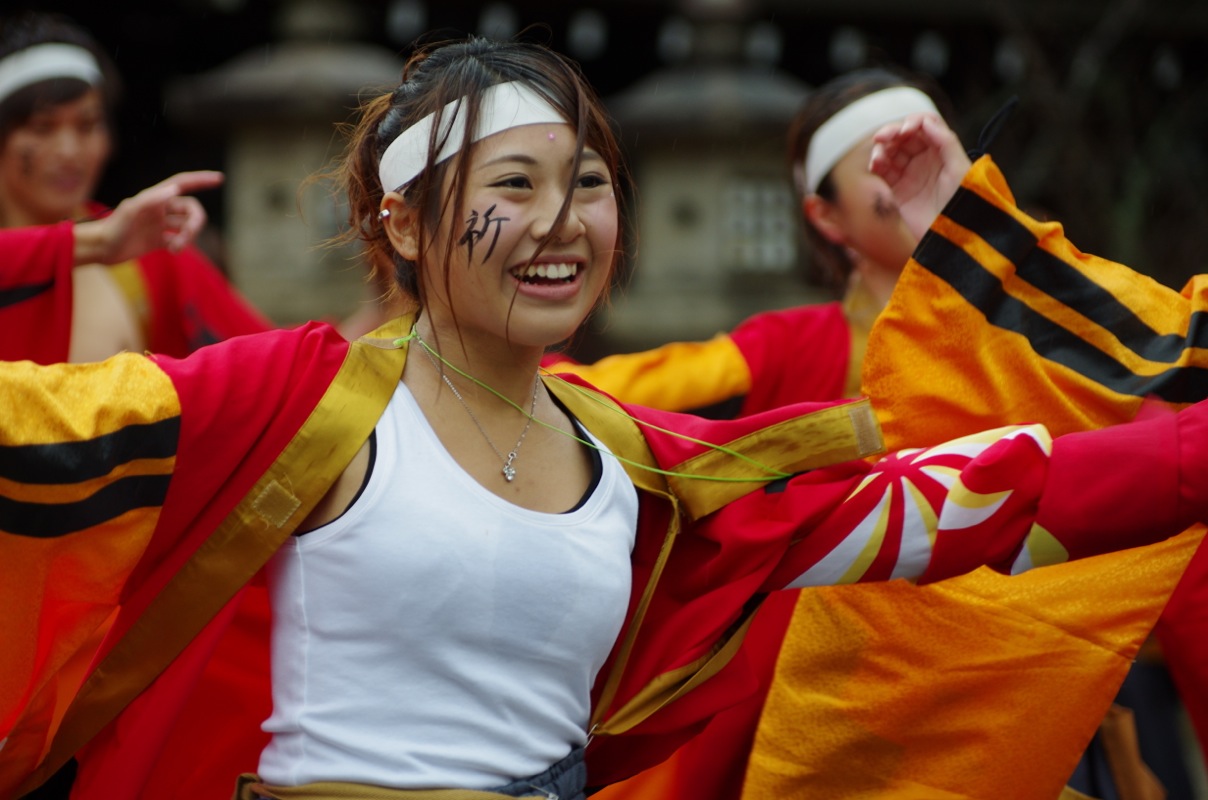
514, 182
591, 181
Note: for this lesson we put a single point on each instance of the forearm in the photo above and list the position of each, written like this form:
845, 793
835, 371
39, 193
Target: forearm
681, 376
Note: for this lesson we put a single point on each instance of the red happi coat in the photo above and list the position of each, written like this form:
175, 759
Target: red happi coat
171, 482
35, 311
994, 298
180, 300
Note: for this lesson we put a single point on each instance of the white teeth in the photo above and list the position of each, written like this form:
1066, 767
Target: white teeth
549, 271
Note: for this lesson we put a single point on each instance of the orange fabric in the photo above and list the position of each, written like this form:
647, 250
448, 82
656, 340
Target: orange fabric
957, 689
675, 377
965, 688
58, 608
971, 375
1075, 341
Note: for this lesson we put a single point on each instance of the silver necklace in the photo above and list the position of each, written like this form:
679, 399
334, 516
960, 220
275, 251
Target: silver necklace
509, 472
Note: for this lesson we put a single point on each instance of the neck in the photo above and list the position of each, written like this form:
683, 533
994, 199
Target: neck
12, 215
877, 281
508, 369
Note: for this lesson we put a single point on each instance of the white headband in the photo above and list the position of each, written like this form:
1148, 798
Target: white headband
504, 106
44, 61
854, 123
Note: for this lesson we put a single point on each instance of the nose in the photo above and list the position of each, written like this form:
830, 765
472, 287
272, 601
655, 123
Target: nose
546, 220
67, 142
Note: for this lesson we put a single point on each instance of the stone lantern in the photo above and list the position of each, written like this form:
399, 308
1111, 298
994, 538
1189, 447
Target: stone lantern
278, 107
716, 220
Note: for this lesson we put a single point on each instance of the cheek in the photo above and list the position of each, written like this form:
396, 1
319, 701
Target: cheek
602, 225
488, 228
21, 156
25, 160
99, 146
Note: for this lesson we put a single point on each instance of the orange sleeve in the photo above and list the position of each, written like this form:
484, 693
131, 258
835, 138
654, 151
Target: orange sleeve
675, 377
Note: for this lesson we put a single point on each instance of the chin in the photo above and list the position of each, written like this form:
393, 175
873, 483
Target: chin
58, 211
548, 334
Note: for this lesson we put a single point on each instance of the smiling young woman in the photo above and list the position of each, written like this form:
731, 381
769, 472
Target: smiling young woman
440, 621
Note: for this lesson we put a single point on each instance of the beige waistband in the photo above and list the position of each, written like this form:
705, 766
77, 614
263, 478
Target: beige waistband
248, 787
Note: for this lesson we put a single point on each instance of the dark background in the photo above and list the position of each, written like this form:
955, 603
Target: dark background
1109, 136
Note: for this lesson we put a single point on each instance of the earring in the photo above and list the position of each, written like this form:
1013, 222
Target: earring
384, 214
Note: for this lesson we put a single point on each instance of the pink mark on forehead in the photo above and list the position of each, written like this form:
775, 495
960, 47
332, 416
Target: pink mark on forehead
551, 137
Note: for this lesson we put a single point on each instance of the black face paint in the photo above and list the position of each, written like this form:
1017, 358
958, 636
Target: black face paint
474, 235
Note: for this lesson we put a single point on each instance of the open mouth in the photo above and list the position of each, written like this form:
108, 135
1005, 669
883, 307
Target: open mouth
546, 273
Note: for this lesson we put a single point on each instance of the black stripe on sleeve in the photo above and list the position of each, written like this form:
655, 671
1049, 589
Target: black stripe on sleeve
72, 462
984, 291
47, 520
1058, 279
19, 294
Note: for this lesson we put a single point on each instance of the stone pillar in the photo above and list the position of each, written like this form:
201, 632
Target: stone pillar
278, 107
716, 220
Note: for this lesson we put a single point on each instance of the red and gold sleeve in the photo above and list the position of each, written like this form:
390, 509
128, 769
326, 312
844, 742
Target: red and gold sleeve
1011, 499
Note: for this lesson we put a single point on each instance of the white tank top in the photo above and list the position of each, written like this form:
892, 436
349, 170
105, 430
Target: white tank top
436, 635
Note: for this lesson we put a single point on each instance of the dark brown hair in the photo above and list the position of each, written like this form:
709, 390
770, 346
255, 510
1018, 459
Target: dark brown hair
33, 28
433, 77
830, 263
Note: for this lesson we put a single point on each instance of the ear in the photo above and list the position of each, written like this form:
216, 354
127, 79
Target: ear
401, 224
825, 217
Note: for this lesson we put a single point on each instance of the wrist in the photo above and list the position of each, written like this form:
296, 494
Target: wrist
91, 242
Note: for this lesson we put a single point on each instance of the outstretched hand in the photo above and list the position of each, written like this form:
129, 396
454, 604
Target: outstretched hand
159, 216
923, 162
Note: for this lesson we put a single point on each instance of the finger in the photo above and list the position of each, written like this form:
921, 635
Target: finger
939, 133
881, 164
184, 220
195, 181
877, 160
887, 133
910, 127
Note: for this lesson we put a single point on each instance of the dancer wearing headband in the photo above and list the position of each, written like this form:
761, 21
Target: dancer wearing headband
58, 91
858, 246
1069, 338
484, 578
